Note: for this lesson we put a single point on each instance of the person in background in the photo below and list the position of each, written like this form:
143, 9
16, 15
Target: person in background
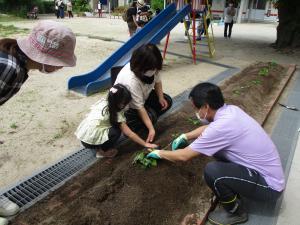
131, 18
56, 9
49, 47
143, 12
229, 14
99, 7
61, 8
247, 161
141, 24
69, 9
141, 77
102, 127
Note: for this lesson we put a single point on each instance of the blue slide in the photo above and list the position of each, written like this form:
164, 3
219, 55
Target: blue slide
153, 32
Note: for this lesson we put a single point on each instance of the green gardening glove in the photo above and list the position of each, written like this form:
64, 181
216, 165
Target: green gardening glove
180, 142
154, 154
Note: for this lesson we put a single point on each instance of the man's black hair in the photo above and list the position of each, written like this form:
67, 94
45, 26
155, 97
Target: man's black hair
207, 93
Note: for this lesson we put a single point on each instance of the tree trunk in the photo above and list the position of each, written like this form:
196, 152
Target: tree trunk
288, 30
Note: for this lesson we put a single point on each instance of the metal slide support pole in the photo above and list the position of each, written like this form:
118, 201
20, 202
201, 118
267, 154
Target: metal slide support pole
194, 36
188, 34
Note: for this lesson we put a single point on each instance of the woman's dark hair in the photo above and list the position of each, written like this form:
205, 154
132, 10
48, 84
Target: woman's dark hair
147, 57
207, 93
133, 4
118, 97
9, 46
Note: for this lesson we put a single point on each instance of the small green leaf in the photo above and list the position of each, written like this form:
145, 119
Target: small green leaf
237, 92
263, 72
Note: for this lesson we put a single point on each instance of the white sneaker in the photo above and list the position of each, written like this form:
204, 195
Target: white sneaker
3, 221
7, 207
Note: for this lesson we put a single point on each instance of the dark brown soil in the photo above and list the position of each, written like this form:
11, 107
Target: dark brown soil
115, 192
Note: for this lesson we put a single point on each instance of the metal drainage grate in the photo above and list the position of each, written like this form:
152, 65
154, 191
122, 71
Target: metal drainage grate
38, 186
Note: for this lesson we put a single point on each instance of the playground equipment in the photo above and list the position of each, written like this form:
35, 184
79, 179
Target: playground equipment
153, 32
202, 8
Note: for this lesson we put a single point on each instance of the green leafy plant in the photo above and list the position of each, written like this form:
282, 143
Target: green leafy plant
236, 92
141, 158
273, 64
256, 81
14, 126
157, 4
194, 121
263, 72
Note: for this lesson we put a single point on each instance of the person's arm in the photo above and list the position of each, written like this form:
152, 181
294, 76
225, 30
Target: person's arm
183, 155
134, 20
148, 123
233, 12
159, 91
195, 133
182, 140
133, 136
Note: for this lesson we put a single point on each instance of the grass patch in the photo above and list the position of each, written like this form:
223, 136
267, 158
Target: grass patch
9, 18
10, 30
14, 126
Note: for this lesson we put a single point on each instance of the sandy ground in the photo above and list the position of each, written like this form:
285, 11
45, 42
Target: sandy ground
37, 125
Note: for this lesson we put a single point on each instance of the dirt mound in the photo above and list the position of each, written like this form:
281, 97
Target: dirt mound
115, 192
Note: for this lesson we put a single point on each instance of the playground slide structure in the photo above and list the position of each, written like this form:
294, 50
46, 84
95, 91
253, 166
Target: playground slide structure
153, 32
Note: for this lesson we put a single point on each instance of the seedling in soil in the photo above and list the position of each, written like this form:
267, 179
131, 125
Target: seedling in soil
263, 72
256, 81
194, 121
141, 158
174, 135
273, 64
237, 92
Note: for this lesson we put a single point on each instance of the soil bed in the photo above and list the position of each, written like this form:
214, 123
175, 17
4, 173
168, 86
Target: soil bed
115, 192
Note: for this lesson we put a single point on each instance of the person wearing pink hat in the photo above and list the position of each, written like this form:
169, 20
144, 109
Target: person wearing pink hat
49, 47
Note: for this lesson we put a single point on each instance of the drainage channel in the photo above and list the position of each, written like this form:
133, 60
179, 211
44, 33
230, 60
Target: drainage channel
36, 187
30, 190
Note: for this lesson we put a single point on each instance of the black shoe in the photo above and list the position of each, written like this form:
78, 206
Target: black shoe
221, 217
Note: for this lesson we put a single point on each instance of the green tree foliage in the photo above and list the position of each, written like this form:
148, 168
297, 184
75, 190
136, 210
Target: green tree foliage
157, 4
21, 7
81, 5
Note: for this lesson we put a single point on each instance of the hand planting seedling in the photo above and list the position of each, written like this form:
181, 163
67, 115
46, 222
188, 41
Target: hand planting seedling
141, 158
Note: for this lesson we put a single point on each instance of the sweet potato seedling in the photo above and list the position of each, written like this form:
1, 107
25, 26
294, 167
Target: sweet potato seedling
263, 72
194, 121
141, 158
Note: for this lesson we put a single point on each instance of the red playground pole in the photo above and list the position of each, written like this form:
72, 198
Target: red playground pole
166, 46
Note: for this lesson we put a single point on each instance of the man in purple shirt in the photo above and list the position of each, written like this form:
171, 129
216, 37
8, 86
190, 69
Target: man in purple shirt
247, 162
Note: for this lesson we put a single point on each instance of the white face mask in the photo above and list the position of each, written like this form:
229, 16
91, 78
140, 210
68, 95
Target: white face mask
203, 121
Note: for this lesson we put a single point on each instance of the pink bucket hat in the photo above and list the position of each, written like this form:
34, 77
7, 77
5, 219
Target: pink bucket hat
50, 43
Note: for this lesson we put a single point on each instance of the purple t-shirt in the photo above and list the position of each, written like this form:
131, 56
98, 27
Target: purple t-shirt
240, 139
